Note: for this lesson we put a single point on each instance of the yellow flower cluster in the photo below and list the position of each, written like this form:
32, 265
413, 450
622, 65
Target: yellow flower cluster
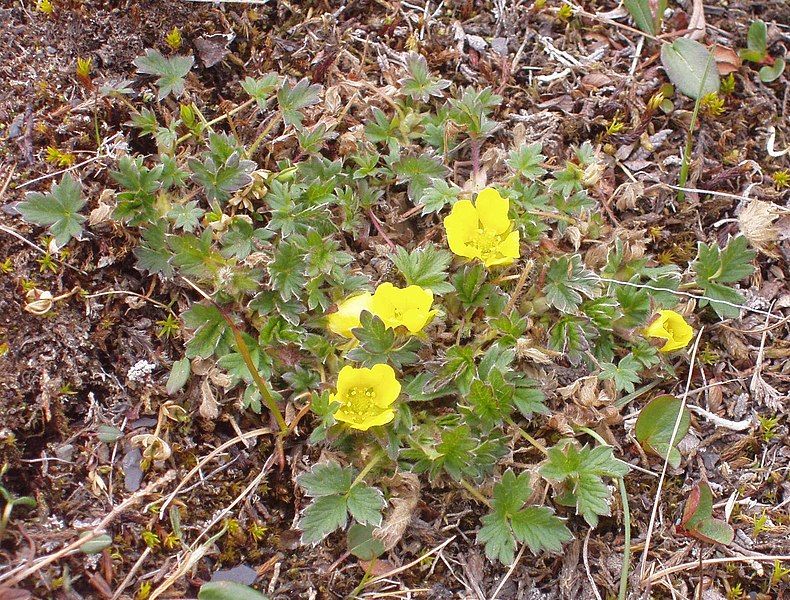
409, 307
483, 230
672, 327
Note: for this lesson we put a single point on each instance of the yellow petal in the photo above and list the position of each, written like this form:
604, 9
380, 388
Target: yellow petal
672, 327
492, 211
461, 226
379, 418
347, 316
506, 252
346, 379
386, 385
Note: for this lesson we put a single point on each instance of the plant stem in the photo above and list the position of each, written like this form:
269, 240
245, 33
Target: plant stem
216, 120
475, 494
372, 462
684, 168
532, 441
269, 126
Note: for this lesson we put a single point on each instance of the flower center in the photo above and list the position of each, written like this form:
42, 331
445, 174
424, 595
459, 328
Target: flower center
486, 242
359, 401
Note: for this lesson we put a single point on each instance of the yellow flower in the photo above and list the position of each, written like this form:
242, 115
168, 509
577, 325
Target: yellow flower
347, 316
409, 306
366, 396
671, 327
483, 230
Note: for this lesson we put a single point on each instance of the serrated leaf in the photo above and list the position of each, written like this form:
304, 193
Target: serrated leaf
540, 529
179, 374
326, 479
498, 539
624, 375
420, 85
186, 216
292, 100
365, 504
527, 160
655, 425
153, 254
58, 209
691, 67
566, 281
171, 71
261, 88
417, 172
715, 267
577, 473
425, 267
323, 516
209, 325
287, 270
439, 195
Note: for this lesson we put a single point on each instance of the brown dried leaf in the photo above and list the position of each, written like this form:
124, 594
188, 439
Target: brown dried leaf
727, 60
406, 488
697, 21
208, 403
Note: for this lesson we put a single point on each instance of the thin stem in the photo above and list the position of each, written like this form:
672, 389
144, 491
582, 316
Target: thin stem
372, 462
684, 168
475, 494
269, 126
627, 548
380, 229
532, 441
241, 346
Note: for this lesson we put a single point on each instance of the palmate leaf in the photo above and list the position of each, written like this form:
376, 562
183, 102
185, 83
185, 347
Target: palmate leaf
417, 172
577, 474
170, 71
566, 281
624, 375
335, 497
420, 85
209, 326
425, 267
715, 267
293, 99
59, 209
510, 522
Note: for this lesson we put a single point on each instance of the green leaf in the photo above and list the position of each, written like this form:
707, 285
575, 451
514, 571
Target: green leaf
577, 474
292, 100
697, 521
453, 451
326, 479
624, 375
714, 267
772, 72
425, 267
171, 71
323, 516
527, 160
136, 201
287, 270
691, 67
186, 216
417, 172
489, 403
469, 284
179, 373
153, 254
97, 544
380, 344
757, 38
420, 85
209, 325
220, 179
566, 281
510, 522
228, 590
365, 504
642, 15
362, 544
439, 195
655, 425
262, 88
194, 255
59, 209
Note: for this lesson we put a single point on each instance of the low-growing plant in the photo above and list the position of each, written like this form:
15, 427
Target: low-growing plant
419, 365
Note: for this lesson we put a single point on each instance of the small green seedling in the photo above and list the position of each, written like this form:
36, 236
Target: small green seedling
697, 521
11, 502
757, 52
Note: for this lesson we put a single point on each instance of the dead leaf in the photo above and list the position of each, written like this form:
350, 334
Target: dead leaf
208, 403
727, 60
212, 49
596, 80
756, 222
697, 21
406, 488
